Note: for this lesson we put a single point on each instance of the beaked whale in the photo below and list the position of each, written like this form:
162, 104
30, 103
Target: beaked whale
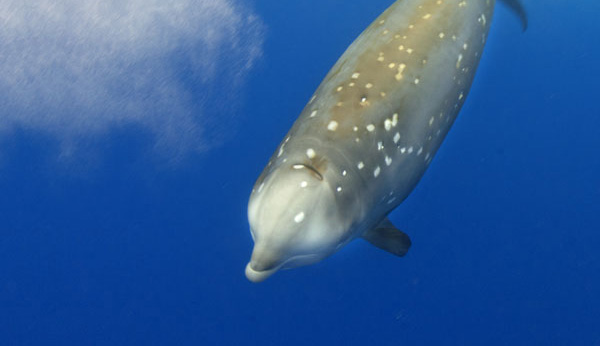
368, 134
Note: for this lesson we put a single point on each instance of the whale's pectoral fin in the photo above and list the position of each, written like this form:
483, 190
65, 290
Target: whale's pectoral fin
387, 237
519, 9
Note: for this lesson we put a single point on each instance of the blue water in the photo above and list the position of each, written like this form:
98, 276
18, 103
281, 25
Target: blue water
119, 247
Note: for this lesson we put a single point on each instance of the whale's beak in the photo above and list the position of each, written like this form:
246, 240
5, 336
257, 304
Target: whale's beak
263, 263
258, 275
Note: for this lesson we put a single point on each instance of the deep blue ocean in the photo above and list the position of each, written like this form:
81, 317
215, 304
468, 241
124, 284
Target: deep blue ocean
123, 213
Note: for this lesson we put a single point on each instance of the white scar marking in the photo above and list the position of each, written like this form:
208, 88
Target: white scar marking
311, 153
360, 165
339, 189
313, 114
388, 160
303, 184
401, 69
299, 217
333, 125
458, 62
344, 173
387, 124
370, 127
376, 171
396, 137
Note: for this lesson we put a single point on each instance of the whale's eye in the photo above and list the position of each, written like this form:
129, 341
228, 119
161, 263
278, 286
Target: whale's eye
310, 168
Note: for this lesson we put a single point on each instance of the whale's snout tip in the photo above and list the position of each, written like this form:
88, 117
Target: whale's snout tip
257, 275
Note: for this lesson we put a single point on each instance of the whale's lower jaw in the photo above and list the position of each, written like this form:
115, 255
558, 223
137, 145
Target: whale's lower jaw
258, 275
293, 262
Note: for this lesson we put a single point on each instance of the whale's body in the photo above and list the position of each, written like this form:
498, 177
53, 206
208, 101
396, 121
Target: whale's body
367, 135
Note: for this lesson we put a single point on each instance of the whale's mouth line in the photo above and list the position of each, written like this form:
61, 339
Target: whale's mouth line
260, 275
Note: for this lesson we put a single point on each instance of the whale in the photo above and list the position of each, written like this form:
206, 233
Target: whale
368, 134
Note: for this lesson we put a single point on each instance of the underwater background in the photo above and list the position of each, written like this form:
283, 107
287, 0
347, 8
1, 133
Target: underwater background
131, 134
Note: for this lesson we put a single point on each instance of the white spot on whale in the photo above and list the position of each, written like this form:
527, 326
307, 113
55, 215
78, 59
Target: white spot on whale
387, 124
299, 217
333, 125
458, 62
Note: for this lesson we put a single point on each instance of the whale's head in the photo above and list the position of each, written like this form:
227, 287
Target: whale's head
295, 220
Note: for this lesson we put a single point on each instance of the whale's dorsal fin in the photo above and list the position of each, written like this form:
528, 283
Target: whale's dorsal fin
517, 7
387, 237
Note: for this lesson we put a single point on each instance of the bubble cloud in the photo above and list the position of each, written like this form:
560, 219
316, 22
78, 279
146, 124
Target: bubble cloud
75, 69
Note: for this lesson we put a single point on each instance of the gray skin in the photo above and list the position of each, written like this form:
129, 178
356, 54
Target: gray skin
367, 135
